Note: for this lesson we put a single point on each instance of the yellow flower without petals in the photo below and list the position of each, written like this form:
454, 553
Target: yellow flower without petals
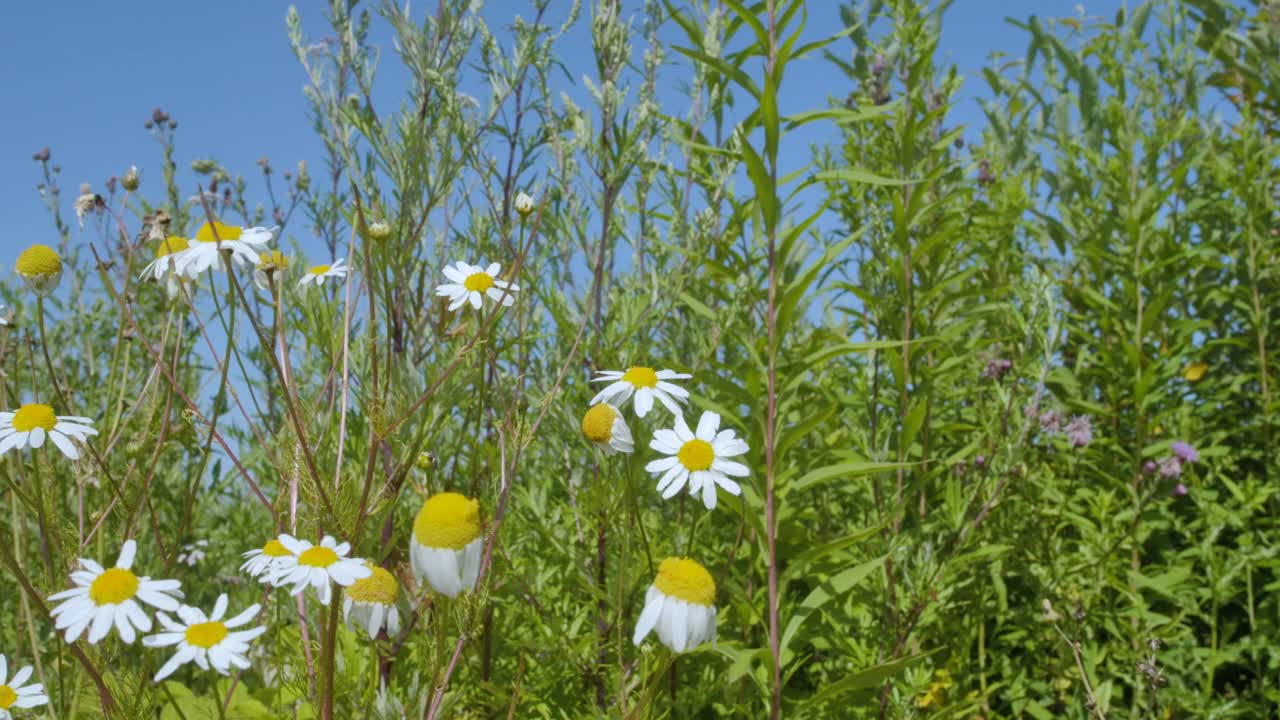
1195, 371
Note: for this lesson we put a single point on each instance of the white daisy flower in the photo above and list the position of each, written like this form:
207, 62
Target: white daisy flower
470, 283
373, 601
680, 604
243, 244
193, 553
29, 425
40, 269
318, 566
646, 384
698, 459
524, 204
206, 639
106, 597
270, 559
318, 274
164, 265
270, 265
446, 545
604, 426
14, 695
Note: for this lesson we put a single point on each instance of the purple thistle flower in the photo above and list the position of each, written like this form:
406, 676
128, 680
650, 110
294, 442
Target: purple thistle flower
1051, 421
1185, 452
1180, 490
996, 369
1170, 467
980, 462
1079, 431
1148, 467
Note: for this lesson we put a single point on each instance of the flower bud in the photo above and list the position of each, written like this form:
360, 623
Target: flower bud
379, 231
130, 181
524, 204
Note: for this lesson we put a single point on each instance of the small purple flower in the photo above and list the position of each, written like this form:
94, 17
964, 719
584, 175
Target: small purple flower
1180, 490
980, 462
996, 369
1148, 467
1079, 431
1170, 467
1185, 452
1051, 421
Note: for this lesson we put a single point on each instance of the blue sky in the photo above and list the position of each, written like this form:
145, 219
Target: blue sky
81, 78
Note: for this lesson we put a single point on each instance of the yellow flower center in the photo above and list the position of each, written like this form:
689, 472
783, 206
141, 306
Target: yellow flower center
686, 579
478, 282
696, 455
38, 261
380, 587
274, 548
319, 270
641, 377
597, 424
7, 697
447, 520
318, 556
274, 260
224, 232
171, 245
206, 635
32, 416
113, 587
1195, 371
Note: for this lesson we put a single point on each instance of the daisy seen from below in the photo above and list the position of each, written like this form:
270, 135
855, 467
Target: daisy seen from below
163, 267
318, 274
604, 427
469, 283
446, 543
31, 424
40, 269
318, 566
646, 384
271, 264
242, 244
680, 605
16, 696
207, 639
110, 597
698, 458
373, 602
264, 562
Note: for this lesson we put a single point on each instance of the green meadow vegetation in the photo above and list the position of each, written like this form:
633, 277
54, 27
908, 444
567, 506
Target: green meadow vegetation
648, 405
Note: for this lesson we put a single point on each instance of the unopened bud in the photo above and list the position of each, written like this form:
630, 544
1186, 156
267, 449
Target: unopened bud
130, 181
524, 205
379, 231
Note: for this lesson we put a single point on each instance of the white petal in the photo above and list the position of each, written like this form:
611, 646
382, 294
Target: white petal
648, 617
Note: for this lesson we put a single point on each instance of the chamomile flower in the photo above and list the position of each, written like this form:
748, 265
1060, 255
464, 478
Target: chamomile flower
604, 426
40, 269
16, 696
646, 384
243, 245
29, 425
373, 601
163, 267
264, 562
446, 545
680, 605
524, 204
206, 639
318, 566
271, 264
698, 458
318, 274
106, 597
470, 283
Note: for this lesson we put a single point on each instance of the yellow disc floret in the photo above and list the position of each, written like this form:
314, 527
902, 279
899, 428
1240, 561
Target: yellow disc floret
171, 245
224, 232
686, 579
318, 556
447, 520
478, 282
7, 697
32, 416
696, 455
641, 377
206, 634
319, 269
38, 261
274, 260
597, 424
275, 548
380, 587
113, 586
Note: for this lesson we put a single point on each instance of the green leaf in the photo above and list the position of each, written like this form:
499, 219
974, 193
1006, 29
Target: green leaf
842, 471
855, 175
865, 679
837, 586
